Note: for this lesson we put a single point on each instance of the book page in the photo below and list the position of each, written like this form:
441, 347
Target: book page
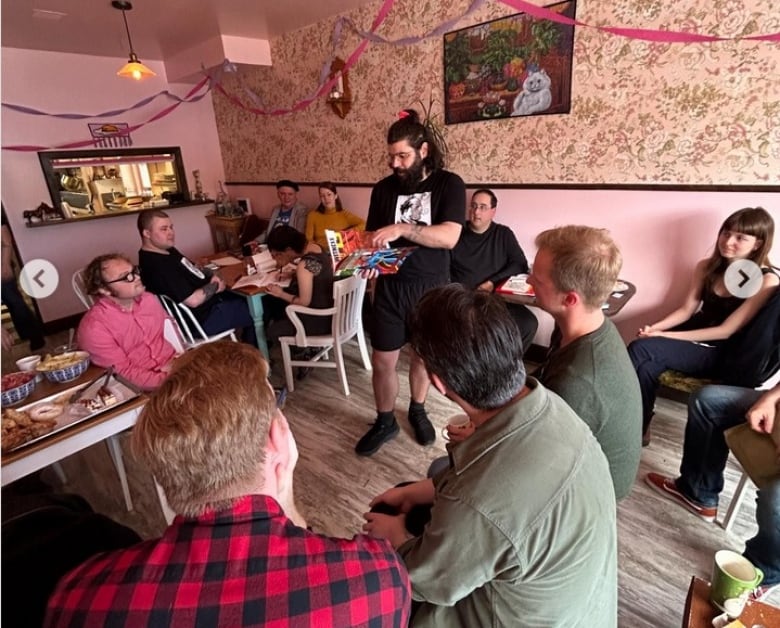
261, 280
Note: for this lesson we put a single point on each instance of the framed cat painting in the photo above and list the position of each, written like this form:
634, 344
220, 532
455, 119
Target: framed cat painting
514, 66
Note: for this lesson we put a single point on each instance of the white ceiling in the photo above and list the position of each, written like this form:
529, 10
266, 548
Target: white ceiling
159, 28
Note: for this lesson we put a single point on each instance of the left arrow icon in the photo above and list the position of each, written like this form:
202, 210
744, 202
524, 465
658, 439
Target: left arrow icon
37, 278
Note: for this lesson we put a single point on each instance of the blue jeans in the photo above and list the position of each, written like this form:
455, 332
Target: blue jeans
711, 411
763, 550
653, 356
230, 312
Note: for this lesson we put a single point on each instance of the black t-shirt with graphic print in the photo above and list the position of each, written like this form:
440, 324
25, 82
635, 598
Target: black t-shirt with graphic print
441, 197
173, 275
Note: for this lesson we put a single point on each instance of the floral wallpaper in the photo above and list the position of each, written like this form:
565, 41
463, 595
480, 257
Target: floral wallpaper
641, 112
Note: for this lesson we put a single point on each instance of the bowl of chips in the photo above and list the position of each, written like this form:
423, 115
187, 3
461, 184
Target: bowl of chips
17, 387
65, 367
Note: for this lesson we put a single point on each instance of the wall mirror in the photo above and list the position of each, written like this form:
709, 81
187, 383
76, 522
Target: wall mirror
85, 183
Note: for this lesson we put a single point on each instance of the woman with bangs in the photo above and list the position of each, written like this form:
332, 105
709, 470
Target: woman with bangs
691, 339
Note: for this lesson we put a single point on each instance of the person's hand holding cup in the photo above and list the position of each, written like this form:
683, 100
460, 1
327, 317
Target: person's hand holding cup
458, 429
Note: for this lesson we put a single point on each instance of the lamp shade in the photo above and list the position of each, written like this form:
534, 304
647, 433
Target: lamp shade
134, 69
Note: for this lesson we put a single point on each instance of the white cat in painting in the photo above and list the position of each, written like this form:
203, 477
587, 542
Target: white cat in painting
535, 95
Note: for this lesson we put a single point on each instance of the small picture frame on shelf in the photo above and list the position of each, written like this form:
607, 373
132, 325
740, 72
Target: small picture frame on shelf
245, 204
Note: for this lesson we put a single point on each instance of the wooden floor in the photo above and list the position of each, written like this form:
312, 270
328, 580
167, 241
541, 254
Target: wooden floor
660, 544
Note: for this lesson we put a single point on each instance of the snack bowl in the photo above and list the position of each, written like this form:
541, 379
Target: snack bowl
66, 367
16, 387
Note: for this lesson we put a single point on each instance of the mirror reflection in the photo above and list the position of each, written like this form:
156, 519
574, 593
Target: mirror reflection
94, 182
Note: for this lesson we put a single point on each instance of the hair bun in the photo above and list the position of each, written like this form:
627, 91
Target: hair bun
409, 114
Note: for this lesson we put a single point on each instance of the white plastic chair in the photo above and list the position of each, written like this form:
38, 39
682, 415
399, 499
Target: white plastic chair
347, 323
80, 288
189, 327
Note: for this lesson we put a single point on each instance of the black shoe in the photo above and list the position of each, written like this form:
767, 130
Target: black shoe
377, 436
423, 429
303, 372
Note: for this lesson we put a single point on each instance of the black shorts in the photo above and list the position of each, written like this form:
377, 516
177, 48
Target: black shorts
394, 301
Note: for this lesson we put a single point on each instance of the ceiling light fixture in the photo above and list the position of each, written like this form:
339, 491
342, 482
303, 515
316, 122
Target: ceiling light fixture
133, 69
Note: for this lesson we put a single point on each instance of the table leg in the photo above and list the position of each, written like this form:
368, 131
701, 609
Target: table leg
115, 450
255, 302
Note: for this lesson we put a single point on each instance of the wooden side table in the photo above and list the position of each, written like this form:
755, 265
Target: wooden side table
225, 231
699, 611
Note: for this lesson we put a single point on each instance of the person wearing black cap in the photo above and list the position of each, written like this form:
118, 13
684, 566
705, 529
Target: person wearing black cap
290, 210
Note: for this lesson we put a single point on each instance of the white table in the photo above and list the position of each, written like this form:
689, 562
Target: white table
50, 450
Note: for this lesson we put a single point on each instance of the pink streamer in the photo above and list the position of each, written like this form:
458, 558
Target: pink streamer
538, 12
155, 117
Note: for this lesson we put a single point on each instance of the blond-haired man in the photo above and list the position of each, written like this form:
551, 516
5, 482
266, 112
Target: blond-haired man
574, 271
239, 553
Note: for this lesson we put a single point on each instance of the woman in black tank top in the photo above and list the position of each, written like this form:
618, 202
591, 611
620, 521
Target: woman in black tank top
690, 339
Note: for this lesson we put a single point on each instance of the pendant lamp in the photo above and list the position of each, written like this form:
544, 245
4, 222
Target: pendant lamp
133, 69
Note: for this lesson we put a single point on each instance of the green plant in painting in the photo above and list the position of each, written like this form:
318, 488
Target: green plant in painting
544, 37
500, 48
457, 56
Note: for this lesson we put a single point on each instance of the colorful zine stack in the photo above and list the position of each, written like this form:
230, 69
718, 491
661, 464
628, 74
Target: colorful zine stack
352, 251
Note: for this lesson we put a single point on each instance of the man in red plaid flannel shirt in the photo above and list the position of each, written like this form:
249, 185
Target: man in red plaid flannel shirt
239, 553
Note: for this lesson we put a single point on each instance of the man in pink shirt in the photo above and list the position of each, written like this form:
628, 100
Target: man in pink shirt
124, 328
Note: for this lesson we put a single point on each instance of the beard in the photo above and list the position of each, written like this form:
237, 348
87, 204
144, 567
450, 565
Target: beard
411, 176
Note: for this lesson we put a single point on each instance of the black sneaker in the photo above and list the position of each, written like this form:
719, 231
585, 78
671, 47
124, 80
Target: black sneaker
421, 424
377, 436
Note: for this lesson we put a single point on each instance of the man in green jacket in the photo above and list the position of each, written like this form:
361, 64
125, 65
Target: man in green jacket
522, 526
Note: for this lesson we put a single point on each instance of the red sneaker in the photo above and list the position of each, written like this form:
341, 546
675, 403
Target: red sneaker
667, 487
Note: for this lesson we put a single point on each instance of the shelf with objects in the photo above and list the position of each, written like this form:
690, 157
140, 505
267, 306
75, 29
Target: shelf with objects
90, 184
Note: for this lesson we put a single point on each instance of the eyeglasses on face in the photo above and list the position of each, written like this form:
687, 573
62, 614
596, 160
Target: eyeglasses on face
130, 277
480, 206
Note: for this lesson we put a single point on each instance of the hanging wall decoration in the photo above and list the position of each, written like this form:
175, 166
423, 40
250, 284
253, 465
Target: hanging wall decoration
111, 134
514, 66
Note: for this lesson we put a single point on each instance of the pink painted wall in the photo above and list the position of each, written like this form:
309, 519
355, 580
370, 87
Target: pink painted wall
661, 234
67, 83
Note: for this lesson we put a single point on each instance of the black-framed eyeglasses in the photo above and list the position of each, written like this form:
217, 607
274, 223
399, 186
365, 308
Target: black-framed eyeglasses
130, 277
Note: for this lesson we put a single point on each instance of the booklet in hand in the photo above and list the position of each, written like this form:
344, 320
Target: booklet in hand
353, 251
517, 284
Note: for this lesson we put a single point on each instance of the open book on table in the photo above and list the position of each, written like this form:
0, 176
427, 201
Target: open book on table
353, 251
261, 280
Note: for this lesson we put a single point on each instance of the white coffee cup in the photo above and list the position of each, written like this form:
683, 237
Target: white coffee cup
457, 423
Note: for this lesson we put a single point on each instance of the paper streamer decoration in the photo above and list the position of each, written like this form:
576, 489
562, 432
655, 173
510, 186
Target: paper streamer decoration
325, 85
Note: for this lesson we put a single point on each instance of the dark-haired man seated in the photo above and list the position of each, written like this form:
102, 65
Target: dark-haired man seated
166, 271
522, 526
487, 254
125, 326
239, 553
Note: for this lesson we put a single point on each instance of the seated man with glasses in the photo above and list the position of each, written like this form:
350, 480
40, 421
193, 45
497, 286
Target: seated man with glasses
125, 326
487, 254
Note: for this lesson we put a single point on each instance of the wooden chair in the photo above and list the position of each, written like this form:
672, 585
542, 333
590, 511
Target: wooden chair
347, 324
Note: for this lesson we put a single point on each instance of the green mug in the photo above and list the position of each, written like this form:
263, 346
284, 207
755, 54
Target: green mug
733, 576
